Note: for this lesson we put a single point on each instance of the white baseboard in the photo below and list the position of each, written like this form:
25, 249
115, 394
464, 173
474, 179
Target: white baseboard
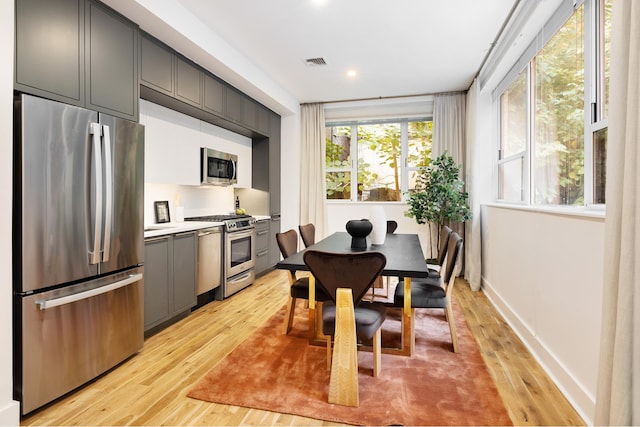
578, 396
10, 413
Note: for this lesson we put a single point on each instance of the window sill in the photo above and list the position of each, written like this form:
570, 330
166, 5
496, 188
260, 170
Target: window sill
584, 212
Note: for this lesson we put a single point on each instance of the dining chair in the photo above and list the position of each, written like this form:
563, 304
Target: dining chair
308, 234
437, 293
288, 244
443, 243
354, 271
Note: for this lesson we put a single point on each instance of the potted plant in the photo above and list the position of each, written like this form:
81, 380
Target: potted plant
439, 197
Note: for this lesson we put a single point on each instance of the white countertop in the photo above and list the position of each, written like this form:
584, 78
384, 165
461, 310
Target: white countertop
177, 227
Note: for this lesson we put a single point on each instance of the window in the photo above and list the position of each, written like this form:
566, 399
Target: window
553, 115
379, 159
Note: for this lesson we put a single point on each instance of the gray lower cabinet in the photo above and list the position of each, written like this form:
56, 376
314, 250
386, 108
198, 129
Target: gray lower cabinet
79, 52
170, 270
263, 259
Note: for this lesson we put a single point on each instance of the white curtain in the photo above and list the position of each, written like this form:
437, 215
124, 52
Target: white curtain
618, 393
312, 171
449, 117
473, 240
449, 122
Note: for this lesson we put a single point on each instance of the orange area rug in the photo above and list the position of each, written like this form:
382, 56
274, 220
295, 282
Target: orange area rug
283, 373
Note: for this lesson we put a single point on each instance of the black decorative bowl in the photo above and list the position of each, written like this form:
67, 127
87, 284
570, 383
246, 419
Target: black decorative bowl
359, 229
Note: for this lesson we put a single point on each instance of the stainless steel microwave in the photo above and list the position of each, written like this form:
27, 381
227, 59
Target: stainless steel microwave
218, 168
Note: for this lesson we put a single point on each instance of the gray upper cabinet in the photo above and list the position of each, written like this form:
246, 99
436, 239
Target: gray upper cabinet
79, 52
233, 104
262, 117
274, 163
188, 83
111, 62
46, 65
213, 97
156, 66
249, 113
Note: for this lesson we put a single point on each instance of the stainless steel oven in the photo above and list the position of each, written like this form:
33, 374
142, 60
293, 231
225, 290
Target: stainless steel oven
240, 256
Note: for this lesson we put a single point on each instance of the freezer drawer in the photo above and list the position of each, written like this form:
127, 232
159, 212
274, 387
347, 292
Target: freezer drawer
72, 335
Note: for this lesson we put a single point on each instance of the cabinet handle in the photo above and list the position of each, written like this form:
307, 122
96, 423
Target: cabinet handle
186, 233
156, 239
261, 233
263, 253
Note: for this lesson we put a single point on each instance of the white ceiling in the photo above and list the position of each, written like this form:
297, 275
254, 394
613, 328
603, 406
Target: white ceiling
398, 48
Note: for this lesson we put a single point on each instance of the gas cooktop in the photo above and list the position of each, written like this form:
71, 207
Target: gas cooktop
217, 218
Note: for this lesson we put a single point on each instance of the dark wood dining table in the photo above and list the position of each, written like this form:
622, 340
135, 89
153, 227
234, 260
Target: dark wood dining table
404, 259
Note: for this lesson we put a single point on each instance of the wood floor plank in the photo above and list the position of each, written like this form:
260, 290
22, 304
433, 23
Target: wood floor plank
151, 388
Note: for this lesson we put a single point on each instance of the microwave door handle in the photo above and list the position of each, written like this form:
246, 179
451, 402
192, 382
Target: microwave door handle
95, 130
108, 161
233, 175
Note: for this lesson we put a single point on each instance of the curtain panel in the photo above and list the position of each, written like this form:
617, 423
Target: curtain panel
473, 182
312, 168
618, 392
449, 133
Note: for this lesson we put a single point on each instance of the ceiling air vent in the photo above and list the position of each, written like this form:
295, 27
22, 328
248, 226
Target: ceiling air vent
315, 62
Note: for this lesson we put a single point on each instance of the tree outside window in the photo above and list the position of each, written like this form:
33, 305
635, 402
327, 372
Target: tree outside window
381, 161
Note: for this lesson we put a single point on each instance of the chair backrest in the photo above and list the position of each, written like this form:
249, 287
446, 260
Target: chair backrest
308, 234
392, 226
454, 253
356, 270
443, 240
287, 242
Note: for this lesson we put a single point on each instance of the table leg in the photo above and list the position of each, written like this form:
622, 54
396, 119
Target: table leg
408, 326
312, 308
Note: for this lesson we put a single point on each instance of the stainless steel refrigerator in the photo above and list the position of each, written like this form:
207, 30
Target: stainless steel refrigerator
78, 246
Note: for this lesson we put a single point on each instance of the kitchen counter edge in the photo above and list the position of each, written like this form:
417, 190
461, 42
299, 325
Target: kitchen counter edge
179, 227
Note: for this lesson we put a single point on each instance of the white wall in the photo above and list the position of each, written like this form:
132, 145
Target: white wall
9, 409
543, 271
173, 141
339, 213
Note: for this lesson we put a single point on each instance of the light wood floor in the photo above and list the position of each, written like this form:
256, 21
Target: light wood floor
151, 388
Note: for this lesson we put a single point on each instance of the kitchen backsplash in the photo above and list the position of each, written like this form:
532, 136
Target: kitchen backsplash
196, 201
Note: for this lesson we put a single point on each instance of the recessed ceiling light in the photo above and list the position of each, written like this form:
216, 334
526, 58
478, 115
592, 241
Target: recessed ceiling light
319, 3
352, 73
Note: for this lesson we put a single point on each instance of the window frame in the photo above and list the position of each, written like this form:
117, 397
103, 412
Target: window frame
405, 169
593, 101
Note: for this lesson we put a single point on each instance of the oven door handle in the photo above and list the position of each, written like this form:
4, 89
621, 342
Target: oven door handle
240, 234
240, 278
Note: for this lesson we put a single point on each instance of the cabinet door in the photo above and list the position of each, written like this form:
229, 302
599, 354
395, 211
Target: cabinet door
263, 115
49, 49
262, 246
249, 113
274, 164
232, 104
185, 248
188, 83
156, 66
157, 274
111, 62
213, 96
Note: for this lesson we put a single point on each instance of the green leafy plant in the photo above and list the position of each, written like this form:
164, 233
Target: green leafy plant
439, 197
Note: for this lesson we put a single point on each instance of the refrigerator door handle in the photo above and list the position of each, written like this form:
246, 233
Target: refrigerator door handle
96, 131
44, 304
108, 160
